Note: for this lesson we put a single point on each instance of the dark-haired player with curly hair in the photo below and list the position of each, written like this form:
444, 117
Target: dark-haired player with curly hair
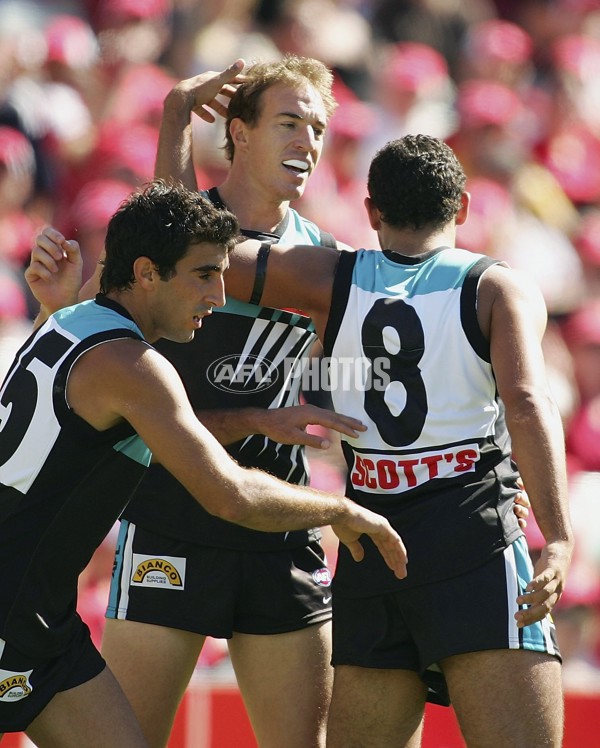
447, 371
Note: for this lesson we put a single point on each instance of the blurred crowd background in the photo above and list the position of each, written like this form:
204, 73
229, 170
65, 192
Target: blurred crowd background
512, 85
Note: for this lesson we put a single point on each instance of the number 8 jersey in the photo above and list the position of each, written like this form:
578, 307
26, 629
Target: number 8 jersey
407, 357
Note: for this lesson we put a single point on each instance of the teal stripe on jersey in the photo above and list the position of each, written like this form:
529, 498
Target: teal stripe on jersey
135, 449
81, 325
442, 271
299, 230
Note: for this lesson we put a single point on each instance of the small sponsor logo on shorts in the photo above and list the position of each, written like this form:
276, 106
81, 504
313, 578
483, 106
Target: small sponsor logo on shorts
322, 577
327, 599
166, 572
14, 686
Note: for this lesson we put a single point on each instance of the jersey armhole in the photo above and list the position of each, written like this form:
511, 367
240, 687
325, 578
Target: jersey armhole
468, 308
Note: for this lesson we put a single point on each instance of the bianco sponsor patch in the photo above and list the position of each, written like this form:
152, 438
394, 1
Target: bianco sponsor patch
14, 686
166, 572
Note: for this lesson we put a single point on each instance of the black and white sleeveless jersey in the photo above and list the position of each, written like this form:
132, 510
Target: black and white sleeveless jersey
245, 355
407, 357
62, 483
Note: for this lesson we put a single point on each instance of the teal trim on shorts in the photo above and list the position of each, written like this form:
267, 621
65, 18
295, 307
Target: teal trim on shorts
540, 636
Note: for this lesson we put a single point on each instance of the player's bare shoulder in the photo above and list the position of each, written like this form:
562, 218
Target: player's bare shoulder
116, 376
506, 293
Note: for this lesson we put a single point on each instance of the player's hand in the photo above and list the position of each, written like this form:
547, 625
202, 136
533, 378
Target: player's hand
546, 587
521, 505
288, 425
387, 540
55, 270
199, 94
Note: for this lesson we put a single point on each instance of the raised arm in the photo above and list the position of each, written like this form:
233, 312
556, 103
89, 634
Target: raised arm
129, 380
513, 313
55, 271
174, 159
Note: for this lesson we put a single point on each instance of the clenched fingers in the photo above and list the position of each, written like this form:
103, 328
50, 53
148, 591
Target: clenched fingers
50, 249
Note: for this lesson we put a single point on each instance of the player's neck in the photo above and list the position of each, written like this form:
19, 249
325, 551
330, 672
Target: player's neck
410, 243
134, 304
254, 208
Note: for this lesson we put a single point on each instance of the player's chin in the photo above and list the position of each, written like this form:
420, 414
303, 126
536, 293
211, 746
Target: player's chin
295, 190
180, 336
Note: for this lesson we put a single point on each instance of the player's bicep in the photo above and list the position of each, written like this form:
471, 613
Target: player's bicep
300, 276
159, 410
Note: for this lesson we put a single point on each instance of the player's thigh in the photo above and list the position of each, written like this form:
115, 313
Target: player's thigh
95, 714
507, 697
154, 665
285, 681
376, 708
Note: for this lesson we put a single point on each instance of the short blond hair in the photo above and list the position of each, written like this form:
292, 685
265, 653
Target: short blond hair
291, 70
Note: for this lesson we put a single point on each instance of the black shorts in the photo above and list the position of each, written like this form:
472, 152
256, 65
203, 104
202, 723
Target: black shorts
415, 628
27, 685
217, 591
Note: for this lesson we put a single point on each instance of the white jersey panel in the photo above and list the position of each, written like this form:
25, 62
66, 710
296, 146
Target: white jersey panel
426, 395
453, 412
25, 463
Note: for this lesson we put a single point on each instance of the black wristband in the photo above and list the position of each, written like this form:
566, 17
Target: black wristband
261, 273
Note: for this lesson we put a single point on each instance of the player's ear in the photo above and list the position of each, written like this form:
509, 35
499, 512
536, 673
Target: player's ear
238, 132
145, 272
373, 213
463, 211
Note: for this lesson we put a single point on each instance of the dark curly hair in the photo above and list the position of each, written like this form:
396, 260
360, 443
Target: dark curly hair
416, 181
161, 221
292, 71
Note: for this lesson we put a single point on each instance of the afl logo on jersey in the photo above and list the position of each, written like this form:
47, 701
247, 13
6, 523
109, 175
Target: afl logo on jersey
322, 577
242, 373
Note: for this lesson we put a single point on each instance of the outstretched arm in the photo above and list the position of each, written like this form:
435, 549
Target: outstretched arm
174, 158
128, 380
515, 315
285, 425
